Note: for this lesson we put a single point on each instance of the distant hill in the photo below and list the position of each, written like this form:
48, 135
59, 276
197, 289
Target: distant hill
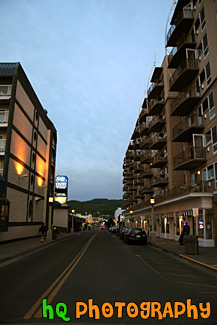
104, 206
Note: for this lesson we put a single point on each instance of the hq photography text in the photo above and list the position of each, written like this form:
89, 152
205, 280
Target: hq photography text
144, 310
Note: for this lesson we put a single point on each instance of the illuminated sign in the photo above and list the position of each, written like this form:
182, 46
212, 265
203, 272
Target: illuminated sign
61, 188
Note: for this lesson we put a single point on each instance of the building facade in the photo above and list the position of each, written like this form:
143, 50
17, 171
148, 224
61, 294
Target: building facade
172, 155
27, 155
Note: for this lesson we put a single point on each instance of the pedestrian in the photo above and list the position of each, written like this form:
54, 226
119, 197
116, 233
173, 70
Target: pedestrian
43, 229
185, 232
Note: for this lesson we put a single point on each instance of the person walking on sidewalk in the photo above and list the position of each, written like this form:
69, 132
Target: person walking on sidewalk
43, 229
185, 232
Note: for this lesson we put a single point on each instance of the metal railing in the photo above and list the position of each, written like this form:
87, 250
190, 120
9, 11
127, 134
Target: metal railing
191, 92
160, 156
191, 153
195, 120
191, 64
154, 102
157, 138
156, 119
184, 14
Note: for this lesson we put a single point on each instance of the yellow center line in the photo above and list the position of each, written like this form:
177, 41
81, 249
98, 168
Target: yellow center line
191, 259
155, 271
37, 304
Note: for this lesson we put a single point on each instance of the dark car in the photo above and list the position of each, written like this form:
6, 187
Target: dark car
123, 231
136, 236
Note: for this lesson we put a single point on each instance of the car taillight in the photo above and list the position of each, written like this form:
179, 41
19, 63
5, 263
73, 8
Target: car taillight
132, 235
143, 235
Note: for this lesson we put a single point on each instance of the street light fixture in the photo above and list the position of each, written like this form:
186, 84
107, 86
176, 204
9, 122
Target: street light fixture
152, 202
131, 215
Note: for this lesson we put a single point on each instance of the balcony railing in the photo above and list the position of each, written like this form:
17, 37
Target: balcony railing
144, 129
142, 115
144, 144
155, 89
159, 181
181, 24
184, 74
178, 53
2, 145
155, 106
158, 141
181, 190
146, 158
157, 123
183, 131
146, 173
190, 158
159, 159
185, 102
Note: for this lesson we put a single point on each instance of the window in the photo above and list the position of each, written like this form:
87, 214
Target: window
205, 46
214, 138
208, 138
204, 174
211, 105
208, 74
205, 105
210, 172
202, 77
202, 19
194, 179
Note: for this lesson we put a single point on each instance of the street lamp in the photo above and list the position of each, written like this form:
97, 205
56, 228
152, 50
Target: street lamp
152, 202
73, 211
131, 215
49, 232
153, 234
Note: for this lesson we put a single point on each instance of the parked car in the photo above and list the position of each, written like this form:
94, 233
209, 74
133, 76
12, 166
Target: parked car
123, 232
114, 229
136, 236
102, 227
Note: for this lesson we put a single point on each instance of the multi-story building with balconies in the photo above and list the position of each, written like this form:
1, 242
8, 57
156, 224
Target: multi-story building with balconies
177, 133
27, 156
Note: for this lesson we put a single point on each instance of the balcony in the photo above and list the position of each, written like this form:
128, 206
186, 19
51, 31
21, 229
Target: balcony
159, 160
137, 181
155, 90
147, 189
136, 144
125, 188
183, 76
156, 74
184, 130
135, 134
189, 159
145, 143
158, 142
146, 158
4, 118
155, 106
157, 123
137, 168
143, 114
159, 180
146, 173
185, 102
5, 91
144, 129
181, 24
178, 53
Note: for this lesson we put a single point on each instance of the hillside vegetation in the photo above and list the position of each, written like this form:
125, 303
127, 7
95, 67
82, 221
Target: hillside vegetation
104, 206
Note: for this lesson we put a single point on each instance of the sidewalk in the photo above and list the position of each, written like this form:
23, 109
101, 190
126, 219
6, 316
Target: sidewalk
207, 256
19, 248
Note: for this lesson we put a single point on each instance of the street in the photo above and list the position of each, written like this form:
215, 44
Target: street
96, 278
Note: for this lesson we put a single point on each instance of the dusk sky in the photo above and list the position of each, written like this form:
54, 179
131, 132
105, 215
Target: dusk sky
89, 62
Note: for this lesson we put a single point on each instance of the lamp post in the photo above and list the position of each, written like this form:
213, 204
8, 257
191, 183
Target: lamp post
131, 216
49, 232
153, 234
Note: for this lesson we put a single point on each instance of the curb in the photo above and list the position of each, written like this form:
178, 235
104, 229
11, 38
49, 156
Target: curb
32, 250
189, 259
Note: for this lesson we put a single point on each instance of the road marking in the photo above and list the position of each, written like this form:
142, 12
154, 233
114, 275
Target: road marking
185, 275
196, 284
155, 271
61, 279
191, 259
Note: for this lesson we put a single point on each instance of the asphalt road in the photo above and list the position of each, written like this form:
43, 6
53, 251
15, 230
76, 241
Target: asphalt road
96, 275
